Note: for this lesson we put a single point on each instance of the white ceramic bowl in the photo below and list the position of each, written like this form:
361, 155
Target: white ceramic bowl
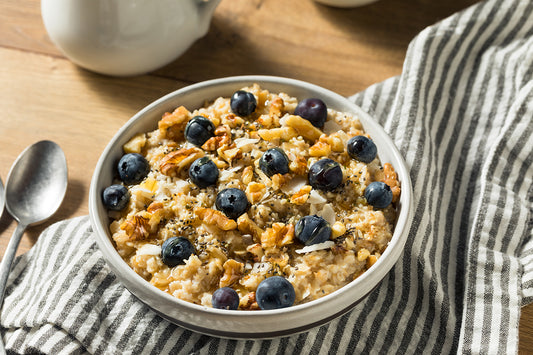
246, 324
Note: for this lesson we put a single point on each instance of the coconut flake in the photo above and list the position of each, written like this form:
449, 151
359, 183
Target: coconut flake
330, 126
260, 267
149, 249
283, 120
319, 246
294, 185
242, 142
327, 213
315, 197
137, 189
226, 174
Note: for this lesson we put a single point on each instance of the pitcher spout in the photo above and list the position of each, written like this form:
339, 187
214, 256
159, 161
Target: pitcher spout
206, 8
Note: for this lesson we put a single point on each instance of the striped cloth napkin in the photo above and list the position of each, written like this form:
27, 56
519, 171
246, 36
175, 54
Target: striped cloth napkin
461, 113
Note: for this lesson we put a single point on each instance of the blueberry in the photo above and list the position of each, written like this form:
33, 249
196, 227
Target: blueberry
378, 194
203, 172
362, 148
243, 103
312, 230
325, 174
313, 110
274, 161
275, 292
198, 130
116, 197
175, 250
133, 168
232, 202
225, 298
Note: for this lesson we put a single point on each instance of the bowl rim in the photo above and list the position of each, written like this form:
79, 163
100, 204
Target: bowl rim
382, 266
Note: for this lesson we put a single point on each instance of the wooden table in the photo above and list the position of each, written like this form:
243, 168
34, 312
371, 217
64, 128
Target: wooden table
44, 96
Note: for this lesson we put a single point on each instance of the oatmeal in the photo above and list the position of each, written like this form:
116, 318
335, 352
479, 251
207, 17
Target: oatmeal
245, 190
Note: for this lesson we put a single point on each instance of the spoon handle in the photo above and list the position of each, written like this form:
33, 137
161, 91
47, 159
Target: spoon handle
7, 260
5, 267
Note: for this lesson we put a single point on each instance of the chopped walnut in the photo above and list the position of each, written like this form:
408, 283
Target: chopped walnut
247, 175
256, 250
335, 140
232, 121
154, 206
274, 113
320, 149
279, 180
248, 302
363, 254
255, 192
337, 229
223, 130
277, 236
172, 125
283, 133
222, 139
371, 260
229, 154
137, 227
298, 166
303, 127
247, 226
276, 107
136, 144
178, 160
389, 177
216, 218
300, 197
217, 142
232, 272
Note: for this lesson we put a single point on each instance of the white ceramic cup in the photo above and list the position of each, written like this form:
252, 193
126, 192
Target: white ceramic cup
125, 37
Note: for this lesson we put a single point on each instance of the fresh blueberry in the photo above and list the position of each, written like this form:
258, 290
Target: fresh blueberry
274, 161
203, 172
312, 230
116, 197
225, 298
313, 110
378, 194
232, 202
275, 292
362, 148
175, 250
199, 129
243, 103
133, 168
325, 174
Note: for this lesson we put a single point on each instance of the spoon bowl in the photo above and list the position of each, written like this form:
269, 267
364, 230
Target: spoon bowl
35, 188
37, 183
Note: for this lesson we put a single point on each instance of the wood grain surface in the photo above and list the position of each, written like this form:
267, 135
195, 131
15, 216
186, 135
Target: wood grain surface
45, 96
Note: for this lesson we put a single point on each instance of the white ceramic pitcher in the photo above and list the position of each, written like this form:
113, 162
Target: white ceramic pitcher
125, 37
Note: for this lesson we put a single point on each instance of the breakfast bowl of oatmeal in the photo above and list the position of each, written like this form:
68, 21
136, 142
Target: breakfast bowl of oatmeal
251, 207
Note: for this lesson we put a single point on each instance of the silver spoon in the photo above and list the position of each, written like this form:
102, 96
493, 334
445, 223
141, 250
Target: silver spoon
35, 188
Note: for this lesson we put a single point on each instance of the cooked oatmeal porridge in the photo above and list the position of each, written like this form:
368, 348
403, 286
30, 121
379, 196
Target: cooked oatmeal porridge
249, 188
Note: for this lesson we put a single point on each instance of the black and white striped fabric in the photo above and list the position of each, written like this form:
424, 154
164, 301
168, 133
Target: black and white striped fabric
462, 115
